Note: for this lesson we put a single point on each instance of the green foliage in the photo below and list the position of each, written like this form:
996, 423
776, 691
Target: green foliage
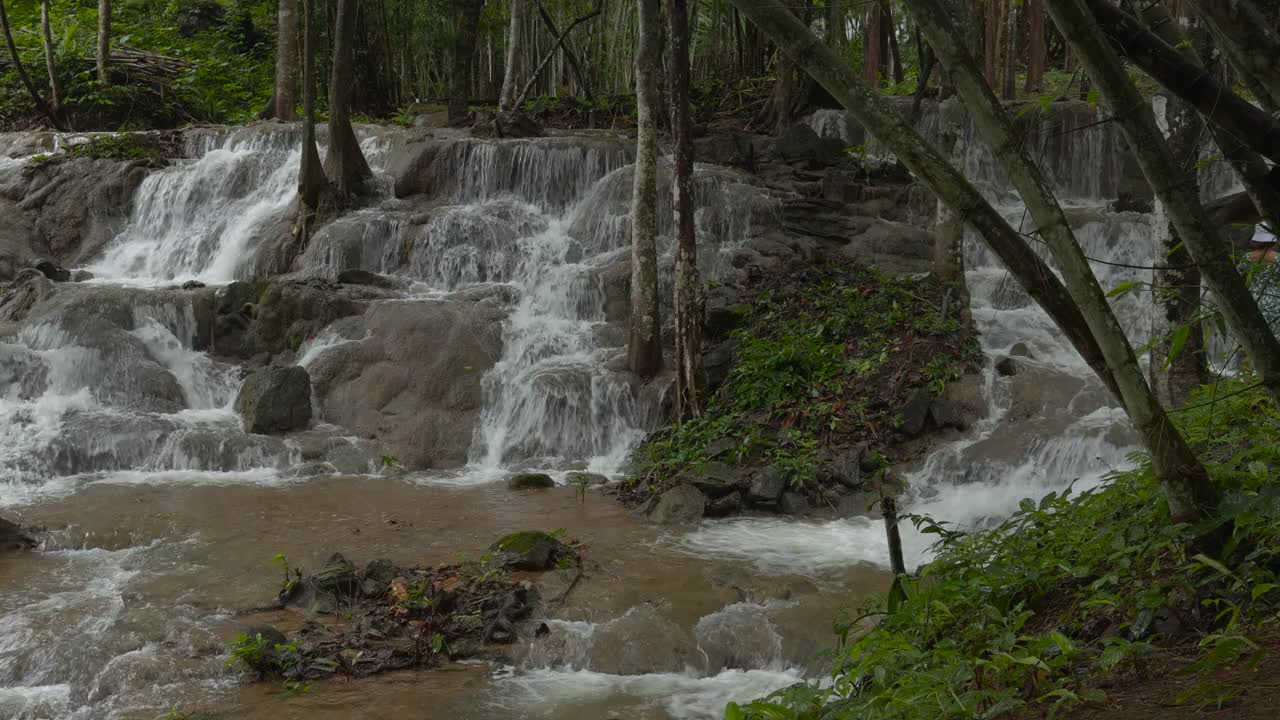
1068, 589
813, 361
250, 653
117, 147
289, 576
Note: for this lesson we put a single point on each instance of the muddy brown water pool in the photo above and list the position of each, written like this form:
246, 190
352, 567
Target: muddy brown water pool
128, 608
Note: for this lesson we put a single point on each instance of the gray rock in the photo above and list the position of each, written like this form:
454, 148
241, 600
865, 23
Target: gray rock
530, 481
944, 414
715, 479
324, 592
81, 276
723, 507
720, 448
338, 576
767, 486
580, 478
848, 467
793, 504
1006, 366
527, 550
1021, 350
13, 538
555, 585
377, 577
275, 399
915, 412
800, 143
682, 505
641, 641
52, 270
356, 276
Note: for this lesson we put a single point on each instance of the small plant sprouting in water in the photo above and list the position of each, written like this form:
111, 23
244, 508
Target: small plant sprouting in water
249, 652
289, 576
295, 688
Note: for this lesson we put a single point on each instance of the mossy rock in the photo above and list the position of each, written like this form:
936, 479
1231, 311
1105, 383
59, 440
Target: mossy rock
530, 481
528, 550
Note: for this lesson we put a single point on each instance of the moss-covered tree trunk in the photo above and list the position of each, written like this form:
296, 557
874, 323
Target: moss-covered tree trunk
285, 99
1190, 493
1173, 187
50, 63
948, 239
464, 50
104, 40
1250, 43
689, 375
345, 163
644, 348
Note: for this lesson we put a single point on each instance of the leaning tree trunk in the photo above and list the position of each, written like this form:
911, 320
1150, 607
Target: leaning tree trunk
22, 71
509, 89
1190, 493
1249, 42
104, 39
644, 348
285, 99
464, 50
689, 376
569, 55
55, 85
345, 164
313, 187
1170, 184
880, 118
561, 42
948, 235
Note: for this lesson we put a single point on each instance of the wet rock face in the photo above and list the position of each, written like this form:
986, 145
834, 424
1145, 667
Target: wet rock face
528, 550
682, 505
284, 315
410, 377
641, 641
530, 481
12, 537
275, 400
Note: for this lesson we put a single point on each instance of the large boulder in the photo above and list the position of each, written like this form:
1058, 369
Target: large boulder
680, 506
410, 377
12, 537
18, 240
799, 143
528, 550
767, 486
275, 399
530, 481
286, 314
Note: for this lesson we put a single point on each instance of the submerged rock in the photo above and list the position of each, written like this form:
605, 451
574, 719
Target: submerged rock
13, 538
275, 399
1006, 366
530, 481
528, 550
681, 505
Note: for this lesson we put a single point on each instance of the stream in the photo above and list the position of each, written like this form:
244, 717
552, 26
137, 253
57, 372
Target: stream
164, 516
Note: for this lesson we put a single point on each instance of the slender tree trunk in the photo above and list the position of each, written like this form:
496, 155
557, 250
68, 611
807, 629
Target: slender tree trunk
1193, 224
1250, 43
285, 99
689, 376
1035, 46
889, 31
563, 44
948, 244
464, 50
1010, 89
880, 118
644, 350
557, 45
104, 39
313, 187
345, 163
991, 42
41, 107
1191, 494
55, 85
514, 39
872, 62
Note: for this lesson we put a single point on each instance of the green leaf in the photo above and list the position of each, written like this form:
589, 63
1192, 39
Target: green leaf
1093, 98
1123, 288
1177, 343
733, 712
1263, 589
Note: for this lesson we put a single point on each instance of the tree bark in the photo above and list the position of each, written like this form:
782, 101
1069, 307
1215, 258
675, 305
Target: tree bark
644, 349
880, 118
464, 50
948, 242
689, 375
285, 98
513, 55
46, 35
569, 54
889, 33
1249, 42
1035, 46
41, 107
1191, 494
345, 163
873, 62
1010, 74
1206, 246
557, 45
1189, 80
104, 39
313, 187
991, 41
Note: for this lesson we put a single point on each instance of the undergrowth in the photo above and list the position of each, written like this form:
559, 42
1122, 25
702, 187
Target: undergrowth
823, 359
1070, 591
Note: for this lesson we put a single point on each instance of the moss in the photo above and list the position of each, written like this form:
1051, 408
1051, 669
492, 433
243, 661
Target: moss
522, 542
530, 481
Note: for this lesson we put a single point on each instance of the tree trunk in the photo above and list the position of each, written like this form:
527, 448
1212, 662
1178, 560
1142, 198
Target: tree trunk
313, 187
513, 55
991, 41
104, 39
569, 55
889, 33
55, 85
464, 50
22, 71
948, 243
1190, 493
557, 45
1035, 46
644, 349
880, 118
1010, 77
689, 376
344, 164
1249, 42
1171, 185
872, 61
285, 98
